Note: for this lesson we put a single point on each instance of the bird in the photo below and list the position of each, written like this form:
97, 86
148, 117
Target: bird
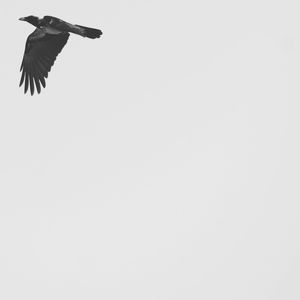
43, 45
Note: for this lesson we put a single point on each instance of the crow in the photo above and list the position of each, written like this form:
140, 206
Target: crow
43, 45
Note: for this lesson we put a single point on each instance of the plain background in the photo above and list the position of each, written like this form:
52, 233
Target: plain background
161, 161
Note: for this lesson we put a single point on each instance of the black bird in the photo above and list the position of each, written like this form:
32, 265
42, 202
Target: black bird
43, 45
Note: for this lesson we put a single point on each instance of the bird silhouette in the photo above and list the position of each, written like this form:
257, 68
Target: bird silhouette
43, 45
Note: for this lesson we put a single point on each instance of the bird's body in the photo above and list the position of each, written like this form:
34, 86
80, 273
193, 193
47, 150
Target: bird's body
43, 45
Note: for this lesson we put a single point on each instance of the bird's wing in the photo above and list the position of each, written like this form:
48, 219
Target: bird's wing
41, 50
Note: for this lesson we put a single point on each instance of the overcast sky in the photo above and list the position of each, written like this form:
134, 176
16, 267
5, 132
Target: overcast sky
161, 161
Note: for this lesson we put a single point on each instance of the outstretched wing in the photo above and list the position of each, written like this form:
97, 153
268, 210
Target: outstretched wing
41, 50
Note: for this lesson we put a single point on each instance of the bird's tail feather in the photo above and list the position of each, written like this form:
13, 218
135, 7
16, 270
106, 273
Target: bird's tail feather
91, 33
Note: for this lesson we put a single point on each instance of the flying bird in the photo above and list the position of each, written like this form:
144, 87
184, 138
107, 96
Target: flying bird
43, 45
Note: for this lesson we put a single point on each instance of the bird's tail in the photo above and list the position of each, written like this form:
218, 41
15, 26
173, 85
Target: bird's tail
91, 33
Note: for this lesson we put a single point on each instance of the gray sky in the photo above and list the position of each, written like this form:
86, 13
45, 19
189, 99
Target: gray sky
161, 161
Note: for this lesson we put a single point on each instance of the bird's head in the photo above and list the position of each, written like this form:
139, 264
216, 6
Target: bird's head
31, 19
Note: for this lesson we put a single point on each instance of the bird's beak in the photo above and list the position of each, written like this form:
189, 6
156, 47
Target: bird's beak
22, 19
